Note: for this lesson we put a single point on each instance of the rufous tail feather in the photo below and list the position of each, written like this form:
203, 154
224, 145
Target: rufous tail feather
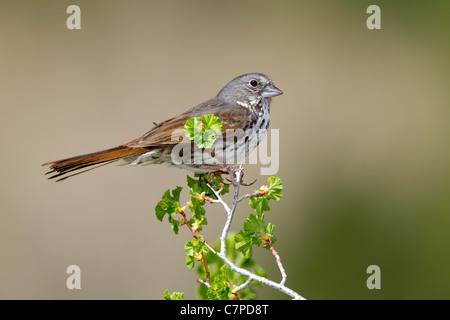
73, 165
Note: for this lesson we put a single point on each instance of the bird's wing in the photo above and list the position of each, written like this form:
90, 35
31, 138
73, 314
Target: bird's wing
172, 132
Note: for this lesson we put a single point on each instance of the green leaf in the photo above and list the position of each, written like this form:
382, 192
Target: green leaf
196, 206
220, 287
203, 130
169, 204
189, 128
194, 129
174, 296
212, 123
189, 248
193, 250
190, 262
225, 189
275, 188
254, 224
191, 182
160, 210
259, 204
255, 230
176, 193
208, 140
197, 224
244, 244
213, 128
174, 224
269, 228
216, 181
201, 184
197, 186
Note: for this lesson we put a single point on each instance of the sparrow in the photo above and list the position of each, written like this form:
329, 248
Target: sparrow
243, 107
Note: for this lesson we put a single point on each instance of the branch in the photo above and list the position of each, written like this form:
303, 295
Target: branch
194, 234
243, 286
249, 195
208, 275
236, 174
278, 260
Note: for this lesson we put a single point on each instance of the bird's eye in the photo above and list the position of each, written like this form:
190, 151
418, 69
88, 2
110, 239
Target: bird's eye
254, 83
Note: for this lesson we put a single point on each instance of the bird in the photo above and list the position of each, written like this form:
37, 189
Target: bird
243, 107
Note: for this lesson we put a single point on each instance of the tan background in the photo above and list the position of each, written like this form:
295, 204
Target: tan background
364, 124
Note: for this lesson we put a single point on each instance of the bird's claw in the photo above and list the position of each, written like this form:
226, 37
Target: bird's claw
235, 173
248, 183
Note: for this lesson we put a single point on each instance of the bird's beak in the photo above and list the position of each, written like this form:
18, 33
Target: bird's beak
271, 91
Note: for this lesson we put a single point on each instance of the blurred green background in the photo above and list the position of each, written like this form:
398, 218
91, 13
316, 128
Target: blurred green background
364, 155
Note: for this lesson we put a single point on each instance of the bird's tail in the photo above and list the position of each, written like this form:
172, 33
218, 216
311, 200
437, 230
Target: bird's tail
73, 165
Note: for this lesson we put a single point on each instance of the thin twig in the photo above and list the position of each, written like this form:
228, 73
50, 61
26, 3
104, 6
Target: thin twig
250, 195
194, 234
203, 282
208, 275
278, 260
212, 200
244, 285
219, 199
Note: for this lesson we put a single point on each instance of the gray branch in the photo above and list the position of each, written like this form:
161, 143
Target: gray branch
236, 174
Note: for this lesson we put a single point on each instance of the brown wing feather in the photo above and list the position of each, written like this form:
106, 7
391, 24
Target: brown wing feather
171, 132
